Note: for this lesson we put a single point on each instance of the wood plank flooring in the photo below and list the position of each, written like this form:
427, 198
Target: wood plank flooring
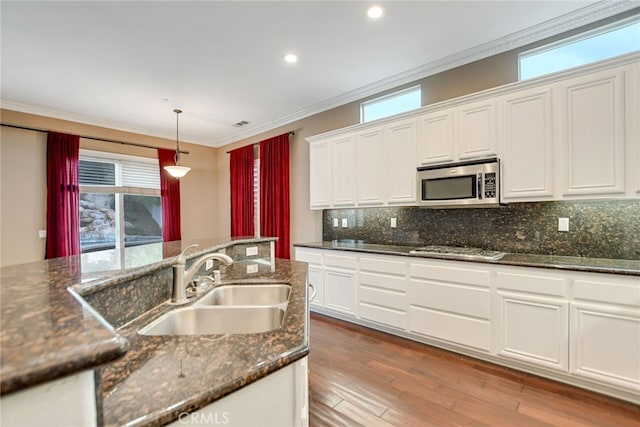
362, 377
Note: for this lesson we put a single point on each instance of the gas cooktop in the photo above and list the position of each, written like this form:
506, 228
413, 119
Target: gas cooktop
458, 252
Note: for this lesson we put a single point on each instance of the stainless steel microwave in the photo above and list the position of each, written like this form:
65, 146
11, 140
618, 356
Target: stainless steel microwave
456, 185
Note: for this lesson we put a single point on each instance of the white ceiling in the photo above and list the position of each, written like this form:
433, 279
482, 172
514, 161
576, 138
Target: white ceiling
127, 65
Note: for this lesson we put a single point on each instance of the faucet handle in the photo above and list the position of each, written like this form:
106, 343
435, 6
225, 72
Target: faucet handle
182, 258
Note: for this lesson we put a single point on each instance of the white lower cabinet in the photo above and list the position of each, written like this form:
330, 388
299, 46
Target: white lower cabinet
576, 327
450, 302
605, 331
382, 290
532, 318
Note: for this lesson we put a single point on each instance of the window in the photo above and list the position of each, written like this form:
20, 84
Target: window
605, 42
256, 189
388, 105
120, 211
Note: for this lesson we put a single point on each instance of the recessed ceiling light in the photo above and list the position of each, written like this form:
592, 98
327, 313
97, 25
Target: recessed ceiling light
291, 58
375, 12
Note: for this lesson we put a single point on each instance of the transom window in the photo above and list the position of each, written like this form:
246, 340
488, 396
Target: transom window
120, 211
596, 45
391, 104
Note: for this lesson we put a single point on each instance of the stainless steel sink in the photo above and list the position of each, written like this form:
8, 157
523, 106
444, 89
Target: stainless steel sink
271, 294
208, 320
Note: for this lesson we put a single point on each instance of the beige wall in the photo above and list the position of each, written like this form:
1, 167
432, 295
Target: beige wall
23, 182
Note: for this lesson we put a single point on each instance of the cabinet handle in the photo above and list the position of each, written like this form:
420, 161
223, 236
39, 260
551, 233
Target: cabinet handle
313, 292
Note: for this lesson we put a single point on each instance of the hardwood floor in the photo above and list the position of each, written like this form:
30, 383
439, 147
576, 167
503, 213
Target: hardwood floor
362, 377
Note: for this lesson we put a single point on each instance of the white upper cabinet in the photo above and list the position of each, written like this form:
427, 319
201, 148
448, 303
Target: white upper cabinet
477, 129
399, 170
343, 178
592, 133
435, 144
371, 161
320, 174
527, 145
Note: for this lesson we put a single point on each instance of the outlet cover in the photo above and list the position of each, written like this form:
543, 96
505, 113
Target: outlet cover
42, 234
208, 264
252, 251
252, 268
336, 222
394, 222
563, 224
345, 222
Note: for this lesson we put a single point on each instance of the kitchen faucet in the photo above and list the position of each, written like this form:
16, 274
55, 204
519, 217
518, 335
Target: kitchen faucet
182, 278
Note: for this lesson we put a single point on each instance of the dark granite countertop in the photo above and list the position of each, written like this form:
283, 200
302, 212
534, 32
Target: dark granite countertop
594, 265
162, 376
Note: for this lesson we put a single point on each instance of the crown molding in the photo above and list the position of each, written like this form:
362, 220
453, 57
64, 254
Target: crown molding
559, 25
587, 15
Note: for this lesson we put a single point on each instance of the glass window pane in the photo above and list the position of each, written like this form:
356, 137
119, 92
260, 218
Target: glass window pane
142, 220
595, 47
97, 221
390, 105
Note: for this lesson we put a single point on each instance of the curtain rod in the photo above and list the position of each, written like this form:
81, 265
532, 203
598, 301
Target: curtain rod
291, 133
135, 144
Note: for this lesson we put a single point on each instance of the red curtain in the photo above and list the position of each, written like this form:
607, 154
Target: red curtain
63, 195
170, 197
241, 165
274, 192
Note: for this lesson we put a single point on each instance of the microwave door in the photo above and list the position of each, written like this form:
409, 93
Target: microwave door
454, 188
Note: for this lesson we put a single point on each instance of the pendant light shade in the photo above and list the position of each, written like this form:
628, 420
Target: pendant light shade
177, 171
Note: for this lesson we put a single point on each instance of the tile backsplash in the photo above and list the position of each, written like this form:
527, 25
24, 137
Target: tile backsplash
597, 228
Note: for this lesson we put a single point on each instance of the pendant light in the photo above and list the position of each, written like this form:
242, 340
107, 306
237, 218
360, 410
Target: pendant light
177, 171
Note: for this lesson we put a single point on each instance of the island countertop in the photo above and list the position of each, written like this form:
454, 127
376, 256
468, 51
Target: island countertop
594, 265
47, 331
162, 377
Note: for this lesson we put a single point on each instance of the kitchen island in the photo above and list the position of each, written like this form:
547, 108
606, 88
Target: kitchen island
54, 327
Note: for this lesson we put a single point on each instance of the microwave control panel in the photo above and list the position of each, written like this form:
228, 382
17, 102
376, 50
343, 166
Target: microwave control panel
490, 185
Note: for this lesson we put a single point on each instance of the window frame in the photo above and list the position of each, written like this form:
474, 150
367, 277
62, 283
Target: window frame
392, 95
573, 39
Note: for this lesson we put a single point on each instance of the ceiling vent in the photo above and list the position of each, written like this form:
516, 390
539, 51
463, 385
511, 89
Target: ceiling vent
240, 124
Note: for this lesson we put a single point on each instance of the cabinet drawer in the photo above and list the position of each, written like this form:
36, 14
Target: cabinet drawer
536, 284
379, 265
607, 292
340, 261
383, 315
382, 297
466, 301
383, 281
456, 329
310, 257
450, 274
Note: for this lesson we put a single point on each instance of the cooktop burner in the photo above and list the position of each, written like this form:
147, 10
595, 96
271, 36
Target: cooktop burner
458, 252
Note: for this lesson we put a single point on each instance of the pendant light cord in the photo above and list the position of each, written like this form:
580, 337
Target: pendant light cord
177, 155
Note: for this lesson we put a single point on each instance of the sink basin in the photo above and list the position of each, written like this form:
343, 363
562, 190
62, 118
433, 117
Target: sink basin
271, 294
216, 320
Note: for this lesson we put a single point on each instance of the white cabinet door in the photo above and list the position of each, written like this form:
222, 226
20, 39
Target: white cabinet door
527, 145
592, 133
436, 138
320, 174
534, 330
371, 167
605, 330
343, 176
400, 170
606, 344
315, 272
477, 129
340, 287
